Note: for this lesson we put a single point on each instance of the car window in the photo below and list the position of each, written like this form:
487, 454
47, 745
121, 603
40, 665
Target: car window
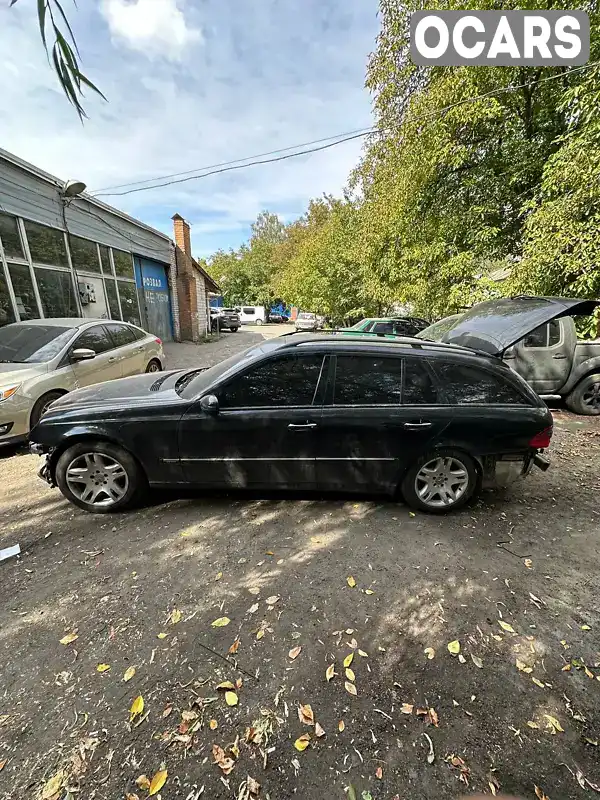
138, 333
553, 332
34, 344
383, 327
96, 339
419, 387
120, 334
368, 327
248, 310
537, 337
464, 384
288, 381
405, 328
367, 380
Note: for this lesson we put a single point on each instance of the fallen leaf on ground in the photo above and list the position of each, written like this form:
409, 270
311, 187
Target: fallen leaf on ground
350, 581
454, 647
221, 622
477, 661
554, 724
162, 635
137, 707
429, 652
341, 726
157, 782
253, 609
70, 637
130, 796
234, 647
218, 576
540, 793
295, 652
3, 764
142, 782
270, 601
528, 563
102, 667
462, 659
533, 725
254, 590
379, 773
319, 730
363, 654
175, 617
306, 715
302, 742
167, 711
411, 514
129, 673
269, 553
407, 708
231, 698
350, 688
585, 628
522, 666
538, 682
348, 660
252, 785
350, 675
369, 591
505, 626
213, 724
330, 672
225, 764
239, 683
226, 685
53, 786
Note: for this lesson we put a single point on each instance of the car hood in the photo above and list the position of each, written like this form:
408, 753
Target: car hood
494, 326
123, 391
17, 373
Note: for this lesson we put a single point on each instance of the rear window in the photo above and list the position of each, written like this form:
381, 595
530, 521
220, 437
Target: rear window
32, 343
465, 384
120, 334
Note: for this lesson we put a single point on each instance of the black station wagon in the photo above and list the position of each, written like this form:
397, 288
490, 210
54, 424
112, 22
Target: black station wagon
430, 422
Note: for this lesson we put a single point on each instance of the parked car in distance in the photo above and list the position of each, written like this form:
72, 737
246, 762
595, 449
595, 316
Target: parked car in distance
43, 359
430, 422
305, 321
276, 317
388, 326
224, 319
252, 315
550, 358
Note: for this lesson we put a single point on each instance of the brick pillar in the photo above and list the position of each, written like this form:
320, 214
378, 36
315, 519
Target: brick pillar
182, 234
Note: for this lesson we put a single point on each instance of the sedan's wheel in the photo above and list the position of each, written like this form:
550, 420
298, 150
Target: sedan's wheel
99, 477
153, 366
440, 481
585, 397
42, 405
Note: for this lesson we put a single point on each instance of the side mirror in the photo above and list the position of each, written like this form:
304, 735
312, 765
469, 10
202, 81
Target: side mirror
82, 354
210, 404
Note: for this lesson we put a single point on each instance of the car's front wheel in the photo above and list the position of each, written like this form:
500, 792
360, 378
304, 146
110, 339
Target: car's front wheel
585, 397
100, 477
234, 330
440, 481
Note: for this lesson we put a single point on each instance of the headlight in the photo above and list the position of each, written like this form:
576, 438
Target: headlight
8, 391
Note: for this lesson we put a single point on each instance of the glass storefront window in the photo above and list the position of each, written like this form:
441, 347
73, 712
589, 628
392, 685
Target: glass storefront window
56, 293
46, 245
6, 312
11, 241
123, 263
84, 254
129, 302
113, 301
105, 259
23, 288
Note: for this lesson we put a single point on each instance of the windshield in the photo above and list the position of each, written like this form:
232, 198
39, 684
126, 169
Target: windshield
305, 315
435, 332
35, 344
357, 326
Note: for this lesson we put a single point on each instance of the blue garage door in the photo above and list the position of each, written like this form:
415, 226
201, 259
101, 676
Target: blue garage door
155, 300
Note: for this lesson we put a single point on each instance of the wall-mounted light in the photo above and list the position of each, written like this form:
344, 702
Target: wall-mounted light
73, 188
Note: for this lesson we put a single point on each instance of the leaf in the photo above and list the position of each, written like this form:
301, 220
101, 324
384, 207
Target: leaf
129, 673
454, 647
231, 698
295, 652
429, 652
213, 724
270, 601
533, 725
330, 672
302, 742
348, 659
350, 581
540, 793
477, 661
252, 785
218, 576
253, 609
175, 617
350, 688
102, 667
350, 675
406, 708
462, 659
505, 626
226, 685
363, 654
3, 763
566, 668
369, 591
137, 707
70, 637
528, 563
522, 666
221, 622
168, 709
585, 628
162, 635
306, 715
157, 782
319, 732
379, 773
142, 782
538, 683
411, 514
53, 786
554, 724
234, 647
341, 726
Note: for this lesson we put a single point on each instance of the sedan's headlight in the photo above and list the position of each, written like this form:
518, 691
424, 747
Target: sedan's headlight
8, 391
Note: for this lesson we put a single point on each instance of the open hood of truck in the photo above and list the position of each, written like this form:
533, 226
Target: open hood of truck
494, 326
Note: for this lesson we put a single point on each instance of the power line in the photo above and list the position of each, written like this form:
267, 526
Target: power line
363, 131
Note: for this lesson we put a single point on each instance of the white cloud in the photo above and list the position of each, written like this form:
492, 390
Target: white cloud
154, 27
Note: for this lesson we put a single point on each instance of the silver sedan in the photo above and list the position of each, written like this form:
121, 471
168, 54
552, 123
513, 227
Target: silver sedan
42, 359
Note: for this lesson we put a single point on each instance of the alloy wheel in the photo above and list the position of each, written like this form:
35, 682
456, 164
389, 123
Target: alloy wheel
442, 481
591, 397
153, 367
97, 479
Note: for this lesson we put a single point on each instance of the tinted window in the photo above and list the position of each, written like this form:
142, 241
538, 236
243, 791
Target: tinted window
95, 339
23, 289
419, 388
368, 327
467, 385
56, 293
404, 327
84, 254
120, 334
537, 338
248, 310
32, 343
47, 245
289, 381
138, 333
383, 327
368, 380
553, 332
11, 241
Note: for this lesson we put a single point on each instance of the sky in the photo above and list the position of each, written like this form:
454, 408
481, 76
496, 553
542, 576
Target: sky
192, 83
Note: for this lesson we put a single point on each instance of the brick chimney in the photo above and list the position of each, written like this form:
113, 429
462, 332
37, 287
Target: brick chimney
182, 234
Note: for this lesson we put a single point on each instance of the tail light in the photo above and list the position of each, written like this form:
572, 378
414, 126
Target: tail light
542, 439
158, 341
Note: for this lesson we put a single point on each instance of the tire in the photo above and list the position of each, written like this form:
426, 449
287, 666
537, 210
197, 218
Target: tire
154, 366
100, 458
259, 322
415, 482
234, 330
41, 406
585, 397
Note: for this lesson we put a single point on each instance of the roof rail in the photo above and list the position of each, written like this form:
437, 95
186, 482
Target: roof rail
392, 338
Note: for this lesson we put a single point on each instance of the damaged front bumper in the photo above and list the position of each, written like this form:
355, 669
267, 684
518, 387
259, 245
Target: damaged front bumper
500, 471
44, 472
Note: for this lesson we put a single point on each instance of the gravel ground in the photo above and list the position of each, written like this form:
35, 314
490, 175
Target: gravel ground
513, 579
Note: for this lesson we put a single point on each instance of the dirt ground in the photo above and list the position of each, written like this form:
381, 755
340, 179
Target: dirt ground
513, 579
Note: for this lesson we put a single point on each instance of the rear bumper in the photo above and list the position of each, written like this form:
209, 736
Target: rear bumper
501, 471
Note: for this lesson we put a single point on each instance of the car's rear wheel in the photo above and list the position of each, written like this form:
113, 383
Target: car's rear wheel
41, 406
154, 366
585, 397
100, 477
259, 322
234, 330
440, 481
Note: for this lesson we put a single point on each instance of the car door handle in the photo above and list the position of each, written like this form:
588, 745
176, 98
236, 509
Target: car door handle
304, 426
417, 426
559, 355
112, 359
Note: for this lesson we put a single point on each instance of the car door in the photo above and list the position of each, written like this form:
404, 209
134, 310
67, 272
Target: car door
544, 357
265, 430
104, 367
128, 349
380, 413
